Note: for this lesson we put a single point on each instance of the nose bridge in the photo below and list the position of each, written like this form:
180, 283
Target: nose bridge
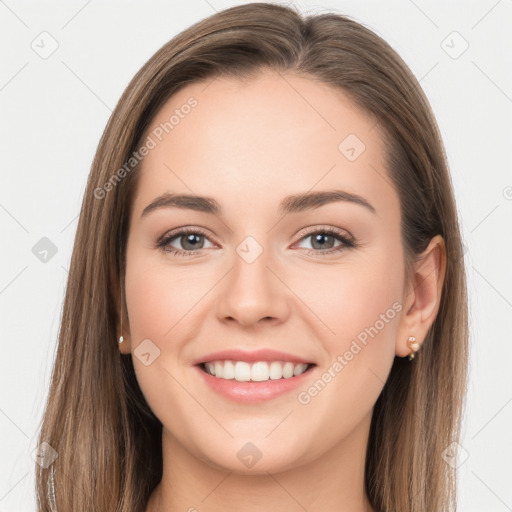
252, 292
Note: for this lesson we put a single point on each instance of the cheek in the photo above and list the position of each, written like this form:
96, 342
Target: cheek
362, 309
159, 304
357, 299
164, 305
369, 301
159, 298
361, 306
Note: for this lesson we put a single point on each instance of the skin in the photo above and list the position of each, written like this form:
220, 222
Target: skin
249, 145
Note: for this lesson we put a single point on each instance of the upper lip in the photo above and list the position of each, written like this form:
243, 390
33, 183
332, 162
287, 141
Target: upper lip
251, 356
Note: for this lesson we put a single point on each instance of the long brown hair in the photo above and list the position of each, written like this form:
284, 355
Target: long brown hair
96, 419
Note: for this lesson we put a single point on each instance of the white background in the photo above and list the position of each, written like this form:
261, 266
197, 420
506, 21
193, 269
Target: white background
54, 110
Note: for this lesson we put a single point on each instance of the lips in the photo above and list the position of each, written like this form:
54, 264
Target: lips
251, 392
252, 356
235, 382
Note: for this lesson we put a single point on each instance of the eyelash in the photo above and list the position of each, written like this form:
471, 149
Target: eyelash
347, 242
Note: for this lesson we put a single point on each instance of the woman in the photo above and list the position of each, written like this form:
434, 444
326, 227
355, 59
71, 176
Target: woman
208, 359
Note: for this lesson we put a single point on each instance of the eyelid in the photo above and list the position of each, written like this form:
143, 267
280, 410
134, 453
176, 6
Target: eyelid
325, 229
185, 229
173, 233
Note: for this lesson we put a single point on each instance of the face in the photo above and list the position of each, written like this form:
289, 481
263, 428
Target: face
279, 280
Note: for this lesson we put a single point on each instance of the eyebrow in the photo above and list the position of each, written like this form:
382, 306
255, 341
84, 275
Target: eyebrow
290, 204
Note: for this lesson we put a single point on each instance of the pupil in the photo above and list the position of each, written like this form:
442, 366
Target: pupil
191, 239
318, 238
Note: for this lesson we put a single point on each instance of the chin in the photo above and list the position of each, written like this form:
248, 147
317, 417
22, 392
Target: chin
245, 457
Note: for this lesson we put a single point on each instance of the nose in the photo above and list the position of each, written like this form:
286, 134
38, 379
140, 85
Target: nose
252, 293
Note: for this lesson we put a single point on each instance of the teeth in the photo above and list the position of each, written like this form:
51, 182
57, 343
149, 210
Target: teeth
288, 370
276, 370
242, 372
260, 371
228, 371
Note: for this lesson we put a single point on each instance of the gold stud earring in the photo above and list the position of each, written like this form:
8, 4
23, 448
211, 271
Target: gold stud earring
411, 343
121, 339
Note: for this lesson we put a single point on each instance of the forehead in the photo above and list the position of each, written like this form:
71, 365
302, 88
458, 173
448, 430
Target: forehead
260, 139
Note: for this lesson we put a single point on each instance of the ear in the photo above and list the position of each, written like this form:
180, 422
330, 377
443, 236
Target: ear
422, 296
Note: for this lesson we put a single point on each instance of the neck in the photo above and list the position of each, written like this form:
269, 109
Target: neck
331, 482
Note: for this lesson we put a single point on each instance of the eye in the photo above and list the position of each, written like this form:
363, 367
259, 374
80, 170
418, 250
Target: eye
190, 239
323, 241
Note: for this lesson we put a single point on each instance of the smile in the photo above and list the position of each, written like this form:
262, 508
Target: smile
256, 382
259, 371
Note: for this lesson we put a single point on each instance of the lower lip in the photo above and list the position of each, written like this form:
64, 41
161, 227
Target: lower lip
253, 392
